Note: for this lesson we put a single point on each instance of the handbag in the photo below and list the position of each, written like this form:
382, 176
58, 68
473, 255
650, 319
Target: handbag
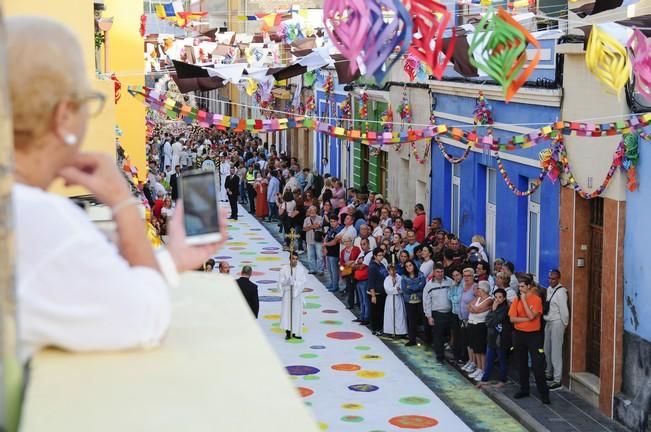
547, 303
346, 271
318, 234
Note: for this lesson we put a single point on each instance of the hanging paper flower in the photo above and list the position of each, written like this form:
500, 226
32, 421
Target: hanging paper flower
117, 87
641, 61
310, 105
387, 119
483, 112
345, 109
329, 85
391, 27
549, 162
347, 23
430, 21
404, 109
630, 159
410, 66
502, 45
607, 59
143, 25
363, 108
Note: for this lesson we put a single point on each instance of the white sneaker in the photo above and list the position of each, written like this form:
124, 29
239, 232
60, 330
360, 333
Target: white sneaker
477, 375
472, 368
466, 366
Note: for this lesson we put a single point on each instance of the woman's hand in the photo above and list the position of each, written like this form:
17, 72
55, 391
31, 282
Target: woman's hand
188, 257
98, 173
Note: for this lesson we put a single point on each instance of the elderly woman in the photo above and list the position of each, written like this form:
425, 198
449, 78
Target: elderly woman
76, 290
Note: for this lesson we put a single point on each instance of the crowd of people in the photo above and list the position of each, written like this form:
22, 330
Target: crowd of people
406, 275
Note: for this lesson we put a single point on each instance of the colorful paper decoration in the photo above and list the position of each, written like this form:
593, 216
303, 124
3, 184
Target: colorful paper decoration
502, 48
414, 151
447, 155
363, 110
404, 109
387, 119
536, 183
641, 62
143, 25
607, 59
630, 160
483, 112
391, 27
430, 21
348, 24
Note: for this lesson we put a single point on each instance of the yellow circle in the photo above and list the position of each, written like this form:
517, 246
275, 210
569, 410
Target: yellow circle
352, 406
272, 317
371, 357
236, 244
268, 258
370, 374
277, 330
323, 426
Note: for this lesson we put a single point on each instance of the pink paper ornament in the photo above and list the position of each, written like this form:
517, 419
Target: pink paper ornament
641, 61
348, 23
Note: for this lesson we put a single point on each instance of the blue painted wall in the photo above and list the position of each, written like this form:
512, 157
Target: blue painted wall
512, 211
637, 272
334, 150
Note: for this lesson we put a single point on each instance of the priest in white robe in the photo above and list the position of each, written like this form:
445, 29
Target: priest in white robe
291, 282
395, 317
177, 148
224, 171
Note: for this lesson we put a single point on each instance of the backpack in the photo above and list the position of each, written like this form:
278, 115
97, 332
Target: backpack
317, 184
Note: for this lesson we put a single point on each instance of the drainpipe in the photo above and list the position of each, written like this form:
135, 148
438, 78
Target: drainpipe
10, 370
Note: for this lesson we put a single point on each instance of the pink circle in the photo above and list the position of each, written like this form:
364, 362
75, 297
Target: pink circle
345, 335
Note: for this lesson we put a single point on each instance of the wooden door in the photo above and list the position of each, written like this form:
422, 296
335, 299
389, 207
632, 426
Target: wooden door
593, 346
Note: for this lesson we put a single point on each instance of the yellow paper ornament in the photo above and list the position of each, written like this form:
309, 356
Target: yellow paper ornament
251, 87
607, 59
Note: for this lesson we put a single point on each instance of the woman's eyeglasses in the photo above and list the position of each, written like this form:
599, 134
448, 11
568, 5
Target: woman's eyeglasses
95, 102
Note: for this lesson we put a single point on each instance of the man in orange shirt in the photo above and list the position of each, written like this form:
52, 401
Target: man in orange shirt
525, 314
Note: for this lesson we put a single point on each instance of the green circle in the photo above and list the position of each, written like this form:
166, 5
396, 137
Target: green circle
362, 347
312, 305
312, 297
248, 253
414, 400
331, 322
263, 242
352, 419
308, 403
233, 227
276, 324
308, 355
311, 377
295, 341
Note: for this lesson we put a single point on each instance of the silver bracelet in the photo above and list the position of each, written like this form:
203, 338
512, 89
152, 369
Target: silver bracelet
123, 204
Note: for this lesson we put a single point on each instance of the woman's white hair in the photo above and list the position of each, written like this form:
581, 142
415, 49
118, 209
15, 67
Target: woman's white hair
44, 65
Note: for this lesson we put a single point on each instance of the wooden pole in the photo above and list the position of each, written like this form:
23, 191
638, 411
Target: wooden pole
10, 370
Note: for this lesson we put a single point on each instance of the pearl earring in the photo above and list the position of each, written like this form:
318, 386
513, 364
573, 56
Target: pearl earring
70, 139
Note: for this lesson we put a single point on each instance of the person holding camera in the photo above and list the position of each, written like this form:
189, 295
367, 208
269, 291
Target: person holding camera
525, 314
313, 227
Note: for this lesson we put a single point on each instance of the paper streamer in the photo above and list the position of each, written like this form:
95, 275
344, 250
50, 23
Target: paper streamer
348, 24
503, 51
430, 21
607, 59
641, 62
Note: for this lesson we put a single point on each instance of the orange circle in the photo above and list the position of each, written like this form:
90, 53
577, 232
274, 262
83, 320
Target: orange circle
413, 422
305, 392
346, 367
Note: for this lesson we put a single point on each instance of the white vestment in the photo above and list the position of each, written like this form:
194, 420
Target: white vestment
167, 154
395, 318
224, 171
177, 148
291, 286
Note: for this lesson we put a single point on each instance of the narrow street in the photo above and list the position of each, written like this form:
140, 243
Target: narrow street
351, 379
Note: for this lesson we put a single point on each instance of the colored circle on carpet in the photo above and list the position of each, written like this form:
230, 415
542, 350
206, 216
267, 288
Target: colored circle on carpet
254, 273
302, 370
362, 348
331, 322
413, 422
246, 262
363, 388
265, 281
311, 377
414, 400
222, 257
308, 290
274, 269
248, 253
256, 229
295, 341
276, 324
352, 419
271, 317
312, 305
269, 253
305, 392
268, 258
237, 248
273, 290
344, 335
229, 244
277, 330
263, 242
319, 347
371, 357
323, 426
259, 238
352, 406
330, 311
309, 355
308, 403
270, 298
370, 374
312, 297
271, 248
233, 227
346, 367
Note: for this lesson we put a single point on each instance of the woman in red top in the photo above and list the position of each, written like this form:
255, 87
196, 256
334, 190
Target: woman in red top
348, 257
420, 223
525, 314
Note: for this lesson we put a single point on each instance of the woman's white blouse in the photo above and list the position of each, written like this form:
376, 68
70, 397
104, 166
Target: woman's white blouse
74, 290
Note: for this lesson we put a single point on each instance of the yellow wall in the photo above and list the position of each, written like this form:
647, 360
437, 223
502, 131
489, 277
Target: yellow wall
78, 15
127, 61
